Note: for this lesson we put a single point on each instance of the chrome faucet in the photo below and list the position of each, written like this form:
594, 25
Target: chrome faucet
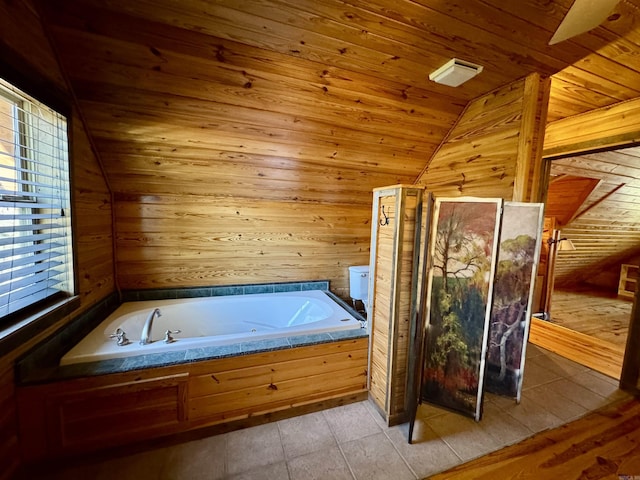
145, 338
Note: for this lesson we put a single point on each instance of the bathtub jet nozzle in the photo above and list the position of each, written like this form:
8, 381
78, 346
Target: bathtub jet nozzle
145, 338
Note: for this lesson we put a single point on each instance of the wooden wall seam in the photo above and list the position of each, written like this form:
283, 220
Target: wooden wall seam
96, 153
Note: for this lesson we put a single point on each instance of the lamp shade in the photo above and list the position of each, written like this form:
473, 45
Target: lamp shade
565, 245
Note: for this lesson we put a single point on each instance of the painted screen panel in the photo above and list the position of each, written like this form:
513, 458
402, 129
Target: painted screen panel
463, 250
518, 254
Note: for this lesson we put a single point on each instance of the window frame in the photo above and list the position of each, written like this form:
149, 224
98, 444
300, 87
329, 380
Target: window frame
24, 325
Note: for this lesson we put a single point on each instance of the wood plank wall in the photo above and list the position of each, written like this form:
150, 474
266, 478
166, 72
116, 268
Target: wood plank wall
392, 302
232, 162
605, 229
606, 127
605, 235
171, 241
493, 151
22, 37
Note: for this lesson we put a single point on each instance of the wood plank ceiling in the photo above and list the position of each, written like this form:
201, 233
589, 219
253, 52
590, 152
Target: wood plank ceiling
605, 228
300, 88
315, 101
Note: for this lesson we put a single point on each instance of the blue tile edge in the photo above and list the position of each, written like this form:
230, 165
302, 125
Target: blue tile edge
41, 364
169, 293
126, 364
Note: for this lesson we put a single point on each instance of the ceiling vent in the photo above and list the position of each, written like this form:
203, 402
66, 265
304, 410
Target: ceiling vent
455, 72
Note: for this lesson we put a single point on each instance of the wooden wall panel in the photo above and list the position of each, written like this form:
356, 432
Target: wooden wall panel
604, 236
93, 222
170, 241
234, 163
605, 127
9, 446
24, 42
22, 33
604, 227
493, 149
394, 296
382, 306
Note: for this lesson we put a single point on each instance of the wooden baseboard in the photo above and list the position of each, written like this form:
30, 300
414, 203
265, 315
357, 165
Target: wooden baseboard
599, 355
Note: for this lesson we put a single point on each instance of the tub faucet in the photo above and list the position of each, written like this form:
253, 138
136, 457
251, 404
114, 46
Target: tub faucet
145, 338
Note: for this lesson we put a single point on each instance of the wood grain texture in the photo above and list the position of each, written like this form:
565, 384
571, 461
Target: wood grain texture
599, 355
594, 312
605, 228
604, 445
170, 241
321, 101
9, 444
393, 290
490, 151
68, 417
22, 33
605, 127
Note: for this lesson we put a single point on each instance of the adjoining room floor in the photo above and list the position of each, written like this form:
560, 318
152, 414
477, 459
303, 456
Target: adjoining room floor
351, 442
599, 314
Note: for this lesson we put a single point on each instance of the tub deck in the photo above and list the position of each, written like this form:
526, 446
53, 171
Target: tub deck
100, 411
85, 407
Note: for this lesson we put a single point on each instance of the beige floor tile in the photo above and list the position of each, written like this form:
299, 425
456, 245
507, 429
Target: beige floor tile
253, 447
275, 471
426, 410
533, 416
377, 416
562, 407
601, 384
351, 422
503, 428
562, 366
305, 434
428, 454
327, 464
375, 458
579, 394
467, 439
197, 460
536, 374
533, 351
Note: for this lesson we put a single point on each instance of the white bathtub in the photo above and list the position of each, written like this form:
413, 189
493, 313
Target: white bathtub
213, 321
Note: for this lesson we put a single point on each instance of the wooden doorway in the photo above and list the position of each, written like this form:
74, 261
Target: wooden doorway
605, 229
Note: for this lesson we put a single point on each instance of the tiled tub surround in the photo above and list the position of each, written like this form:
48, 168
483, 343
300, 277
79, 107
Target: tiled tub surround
90, 406
352, 442
42, 363
199, 323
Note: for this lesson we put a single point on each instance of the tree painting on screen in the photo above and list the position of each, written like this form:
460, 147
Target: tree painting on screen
512, 295
464, 240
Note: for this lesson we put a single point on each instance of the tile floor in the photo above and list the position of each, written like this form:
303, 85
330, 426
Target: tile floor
352, 442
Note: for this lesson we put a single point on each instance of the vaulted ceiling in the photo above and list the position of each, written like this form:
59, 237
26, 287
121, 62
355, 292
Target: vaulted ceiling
296, 86
596, 200
314, 100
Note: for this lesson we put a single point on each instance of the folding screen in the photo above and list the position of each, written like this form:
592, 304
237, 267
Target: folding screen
396, 289
520, 240
464, 240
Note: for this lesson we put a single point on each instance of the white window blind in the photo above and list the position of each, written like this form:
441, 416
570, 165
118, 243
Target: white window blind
35, 225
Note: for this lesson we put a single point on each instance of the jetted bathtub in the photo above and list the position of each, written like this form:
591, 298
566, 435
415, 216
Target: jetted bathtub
212, 321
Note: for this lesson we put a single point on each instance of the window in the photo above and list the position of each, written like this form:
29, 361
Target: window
36, 261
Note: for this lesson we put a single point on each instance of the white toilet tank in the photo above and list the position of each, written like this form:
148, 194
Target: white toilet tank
359, 282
